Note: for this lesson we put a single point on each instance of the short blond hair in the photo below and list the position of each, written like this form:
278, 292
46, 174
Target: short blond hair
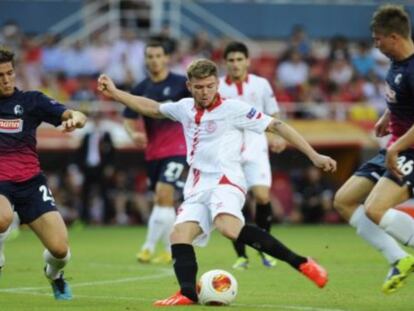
201, 68
390, 18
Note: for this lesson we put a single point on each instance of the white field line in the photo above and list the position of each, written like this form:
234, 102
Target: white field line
149, 301
164, 272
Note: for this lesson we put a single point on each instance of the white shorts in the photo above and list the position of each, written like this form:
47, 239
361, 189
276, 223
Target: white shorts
204, 206
258, 172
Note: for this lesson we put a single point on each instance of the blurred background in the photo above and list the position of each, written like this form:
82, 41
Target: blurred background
318, 56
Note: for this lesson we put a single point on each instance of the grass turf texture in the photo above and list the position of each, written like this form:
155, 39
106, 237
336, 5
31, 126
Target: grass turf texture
104, 274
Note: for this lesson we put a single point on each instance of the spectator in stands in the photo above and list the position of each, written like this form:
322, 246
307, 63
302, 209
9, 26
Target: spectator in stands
52, 55
299, 41
127, 56
100, 50
95, 159
50, 85
382, 64
293, 72
339, 48
11, 35
374, 93
312, 197
78, 60
362, 60
85, 91
340, 71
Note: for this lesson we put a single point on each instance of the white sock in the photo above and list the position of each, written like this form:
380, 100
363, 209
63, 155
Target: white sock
54, 265
399, 225
3, 237
376, 236
16, 222
156, 225
169, 220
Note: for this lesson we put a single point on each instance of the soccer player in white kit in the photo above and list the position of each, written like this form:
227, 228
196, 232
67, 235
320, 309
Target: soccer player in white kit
215, 190
256, 91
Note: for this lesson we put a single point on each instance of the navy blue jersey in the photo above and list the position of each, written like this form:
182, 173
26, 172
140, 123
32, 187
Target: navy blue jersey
20, 115
165, 137
400, 97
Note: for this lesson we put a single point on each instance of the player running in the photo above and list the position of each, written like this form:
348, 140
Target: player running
215, 188
23, 187
165, 149
367, 198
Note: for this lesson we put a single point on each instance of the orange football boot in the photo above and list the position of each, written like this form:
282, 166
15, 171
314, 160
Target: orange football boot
177, 299
314, 272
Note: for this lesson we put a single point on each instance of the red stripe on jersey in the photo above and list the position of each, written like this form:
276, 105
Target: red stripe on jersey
259, 115
238, 84
197, 174
198, 115
225, 181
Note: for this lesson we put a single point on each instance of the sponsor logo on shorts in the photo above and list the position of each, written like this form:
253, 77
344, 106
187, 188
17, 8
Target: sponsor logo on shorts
11, 125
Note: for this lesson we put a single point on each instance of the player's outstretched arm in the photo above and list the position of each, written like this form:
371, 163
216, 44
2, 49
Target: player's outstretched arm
142, 105
292, 136
72, 120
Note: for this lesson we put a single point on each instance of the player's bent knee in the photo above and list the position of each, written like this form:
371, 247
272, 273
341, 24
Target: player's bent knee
262, 199
178, 236
229, 232
374, 214
59, 253
6, 214
341, 203
58, 250
5, 221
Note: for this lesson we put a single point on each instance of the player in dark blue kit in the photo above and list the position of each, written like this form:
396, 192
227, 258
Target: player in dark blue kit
165, 149
367, 199
23, 187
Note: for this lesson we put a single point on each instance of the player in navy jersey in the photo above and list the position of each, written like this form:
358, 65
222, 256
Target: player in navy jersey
23, 187
367, 198
165, 149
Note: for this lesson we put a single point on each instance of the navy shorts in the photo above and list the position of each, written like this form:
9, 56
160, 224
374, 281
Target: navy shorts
375, 168
171, 170
31, 198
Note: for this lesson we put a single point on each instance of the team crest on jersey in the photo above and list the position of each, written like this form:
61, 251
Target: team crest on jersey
398, 78
11, 125
166, 91
18, 110
211, 126
251, 113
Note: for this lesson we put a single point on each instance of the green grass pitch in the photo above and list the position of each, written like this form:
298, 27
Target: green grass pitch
104, 274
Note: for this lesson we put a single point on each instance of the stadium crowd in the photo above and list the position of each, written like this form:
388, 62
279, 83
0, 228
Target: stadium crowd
312, 78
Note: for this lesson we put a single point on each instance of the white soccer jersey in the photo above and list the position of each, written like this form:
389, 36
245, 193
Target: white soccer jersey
214, 140
255, 91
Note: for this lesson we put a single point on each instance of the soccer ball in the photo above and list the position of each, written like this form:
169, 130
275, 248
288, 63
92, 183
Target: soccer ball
217, 287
